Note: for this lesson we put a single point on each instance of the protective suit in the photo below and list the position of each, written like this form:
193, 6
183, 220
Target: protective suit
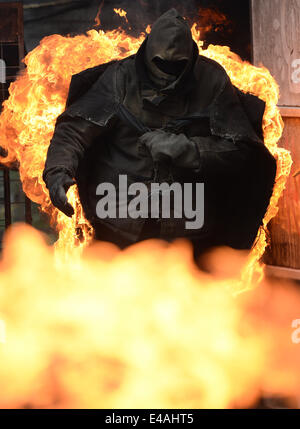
166, 114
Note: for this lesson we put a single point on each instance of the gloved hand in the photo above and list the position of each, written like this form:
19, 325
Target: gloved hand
3, 152
165, 146
58, 184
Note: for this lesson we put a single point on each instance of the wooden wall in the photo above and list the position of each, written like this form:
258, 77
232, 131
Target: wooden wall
276, 45
285, 227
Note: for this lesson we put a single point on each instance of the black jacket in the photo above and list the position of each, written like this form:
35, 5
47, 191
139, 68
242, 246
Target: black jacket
110, 105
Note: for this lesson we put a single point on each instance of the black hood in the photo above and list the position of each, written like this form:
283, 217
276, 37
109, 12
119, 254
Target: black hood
170, 40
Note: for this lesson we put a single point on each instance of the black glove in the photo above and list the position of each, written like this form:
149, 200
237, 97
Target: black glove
58, 184
3, 152
175, 148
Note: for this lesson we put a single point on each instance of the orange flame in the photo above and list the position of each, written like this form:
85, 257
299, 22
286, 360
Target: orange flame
38, 96
97, 18
211, 19
98, 333
122, 13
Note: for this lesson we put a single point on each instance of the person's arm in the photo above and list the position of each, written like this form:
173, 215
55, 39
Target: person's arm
207, 156
71, 138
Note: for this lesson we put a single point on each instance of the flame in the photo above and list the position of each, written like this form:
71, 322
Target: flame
101, 334
122, 13
97, 18
39, 94
212, 19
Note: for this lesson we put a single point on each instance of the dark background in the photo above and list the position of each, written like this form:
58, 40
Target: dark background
45, 17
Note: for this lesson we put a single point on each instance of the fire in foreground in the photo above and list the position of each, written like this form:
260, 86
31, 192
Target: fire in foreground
142, 328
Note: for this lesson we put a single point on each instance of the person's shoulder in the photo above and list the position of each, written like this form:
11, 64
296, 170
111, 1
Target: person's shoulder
211, 79
82, 82
207, 66
127, 65
93, 73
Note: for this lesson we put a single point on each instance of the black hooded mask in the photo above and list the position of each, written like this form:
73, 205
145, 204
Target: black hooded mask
166, 59
169, 49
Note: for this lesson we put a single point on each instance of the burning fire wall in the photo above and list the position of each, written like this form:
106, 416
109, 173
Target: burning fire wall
85, 325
